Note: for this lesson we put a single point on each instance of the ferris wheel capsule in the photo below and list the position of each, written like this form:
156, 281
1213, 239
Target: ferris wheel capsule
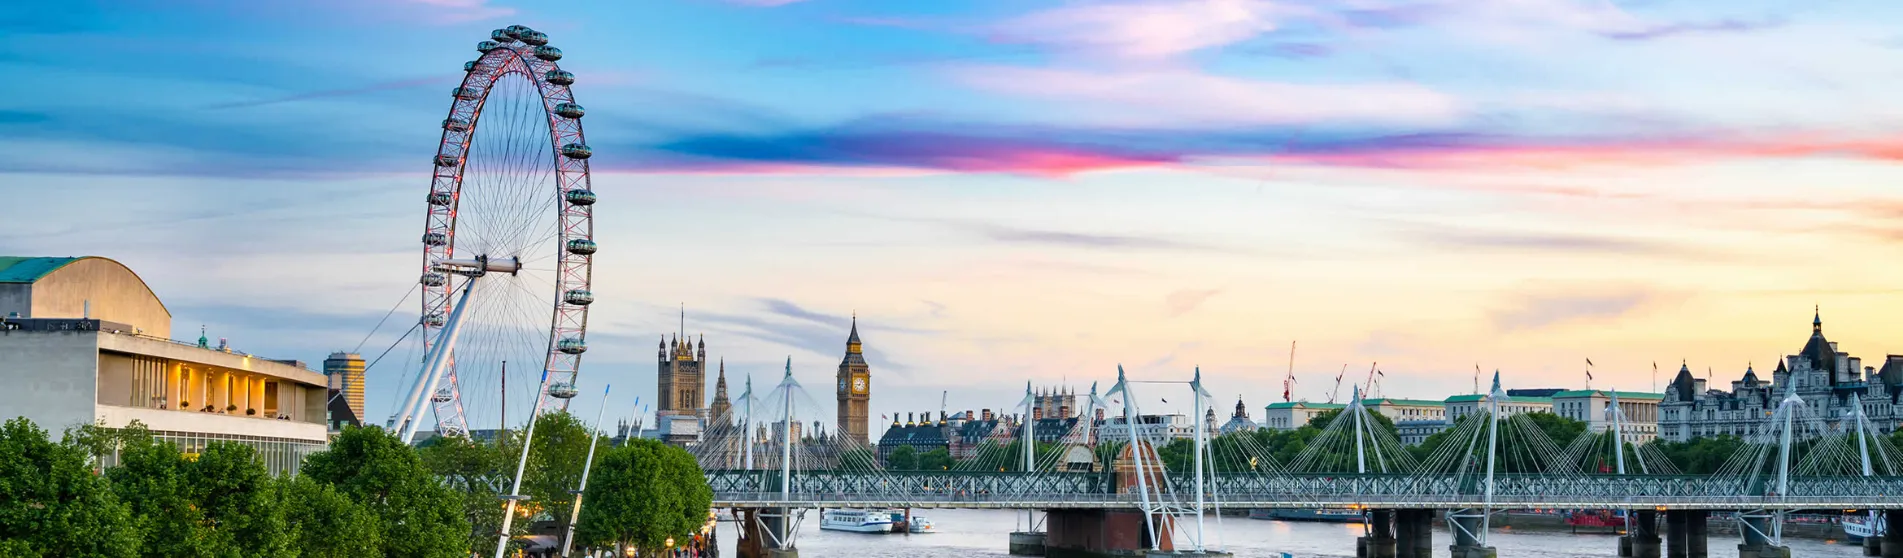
445, 160
548, 53
434, 238
577, 151
435, 320
581, 246
534, 38
502, 36
559, 77
562, 390
456, 125
486, 46
469, 66
518, 31
441, 396
465, 93
433, 279
580, 196
440, 198
579, 297
572, 345
569, 110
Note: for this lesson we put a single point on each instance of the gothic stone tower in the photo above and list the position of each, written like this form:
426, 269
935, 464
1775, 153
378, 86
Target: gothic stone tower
683, 374
855, 390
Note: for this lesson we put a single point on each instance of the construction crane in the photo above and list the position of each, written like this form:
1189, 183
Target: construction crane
1288, 382
1337, 391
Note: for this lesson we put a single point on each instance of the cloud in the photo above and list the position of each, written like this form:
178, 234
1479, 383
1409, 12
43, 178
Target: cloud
1545, 307
1011, 234
372, 88
1187, 300
1003, 150
1686, 28
1535, 241
1151, 29
1185, 99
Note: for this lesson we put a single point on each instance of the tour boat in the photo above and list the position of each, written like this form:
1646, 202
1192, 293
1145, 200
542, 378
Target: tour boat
857, 521
1860, 527
1330, 515
919, 524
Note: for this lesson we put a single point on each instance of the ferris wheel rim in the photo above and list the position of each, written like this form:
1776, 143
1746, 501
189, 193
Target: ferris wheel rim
519, 51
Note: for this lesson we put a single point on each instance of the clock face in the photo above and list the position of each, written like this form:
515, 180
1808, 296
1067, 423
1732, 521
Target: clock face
842, 385
858, 385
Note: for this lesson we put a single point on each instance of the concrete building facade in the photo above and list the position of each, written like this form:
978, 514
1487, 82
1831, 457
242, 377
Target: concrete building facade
67, 366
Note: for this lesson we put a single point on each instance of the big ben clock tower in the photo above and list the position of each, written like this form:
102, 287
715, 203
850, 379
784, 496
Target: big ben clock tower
855, 389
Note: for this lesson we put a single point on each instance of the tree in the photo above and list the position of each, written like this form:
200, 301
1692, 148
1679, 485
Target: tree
642, 494
556, 456
417, 515
327, 524
1560, 430
480, 473
153, 482
240, 501
902, 458
857, 459
51, 503
939, 459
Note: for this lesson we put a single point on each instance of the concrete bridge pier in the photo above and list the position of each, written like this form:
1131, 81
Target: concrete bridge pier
1685, 534
1466, 525
1642, 541
1027, 543
1757, 543
757, 526
1414, 533
1379, 542
1892, 541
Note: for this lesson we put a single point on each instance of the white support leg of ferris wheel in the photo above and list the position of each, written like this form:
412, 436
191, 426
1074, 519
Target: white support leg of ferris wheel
441, 351
433, 368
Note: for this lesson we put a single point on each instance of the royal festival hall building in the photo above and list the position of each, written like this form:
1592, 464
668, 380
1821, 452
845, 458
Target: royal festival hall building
84, 340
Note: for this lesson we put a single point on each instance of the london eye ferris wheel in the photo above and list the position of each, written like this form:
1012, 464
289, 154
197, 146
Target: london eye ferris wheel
508, 237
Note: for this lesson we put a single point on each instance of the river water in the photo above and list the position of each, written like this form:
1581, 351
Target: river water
983, 533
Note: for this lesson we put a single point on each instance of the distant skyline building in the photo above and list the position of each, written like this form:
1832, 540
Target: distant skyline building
855, 390
1823, 376
343, 372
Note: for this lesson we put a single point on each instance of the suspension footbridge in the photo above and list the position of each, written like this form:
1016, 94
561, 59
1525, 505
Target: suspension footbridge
770, 458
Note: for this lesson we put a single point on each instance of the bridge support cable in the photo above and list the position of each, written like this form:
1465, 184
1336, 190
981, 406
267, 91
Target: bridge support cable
1137, 449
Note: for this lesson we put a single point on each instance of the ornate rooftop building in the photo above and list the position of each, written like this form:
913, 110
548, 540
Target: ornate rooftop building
1823, 376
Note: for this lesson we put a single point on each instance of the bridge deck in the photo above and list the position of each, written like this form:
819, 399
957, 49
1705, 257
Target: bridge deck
759, 488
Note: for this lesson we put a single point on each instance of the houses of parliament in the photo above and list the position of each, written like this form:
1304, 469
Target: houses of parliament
683, 412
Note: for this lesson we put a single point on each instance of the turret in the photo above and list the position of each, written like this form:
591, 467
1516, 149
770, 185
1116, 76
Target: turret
701, 354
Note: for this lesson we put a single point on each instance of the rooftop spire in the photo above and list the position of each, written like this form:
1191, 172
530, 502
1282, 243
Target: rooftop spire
852, 340
1817, 322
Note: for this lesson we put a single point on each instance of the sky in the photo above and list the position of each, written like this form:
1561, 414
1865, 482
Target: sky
1013, 191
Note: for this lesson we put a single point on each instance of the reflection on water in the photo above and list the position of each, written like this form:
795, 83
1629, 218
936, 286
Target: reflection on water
983, 533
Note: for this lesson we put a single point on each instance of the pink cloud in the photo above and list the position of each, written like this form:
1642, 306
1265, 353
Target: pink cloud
1176, 99
1148, 29
1537, 154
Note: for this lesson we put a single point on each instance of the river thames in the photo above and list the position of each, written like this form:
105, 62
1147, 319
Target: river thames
983, 533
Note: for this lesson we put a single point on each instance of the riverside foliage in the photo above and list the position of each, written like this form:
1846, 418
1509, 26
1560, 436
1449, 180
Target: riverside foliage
368, 495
